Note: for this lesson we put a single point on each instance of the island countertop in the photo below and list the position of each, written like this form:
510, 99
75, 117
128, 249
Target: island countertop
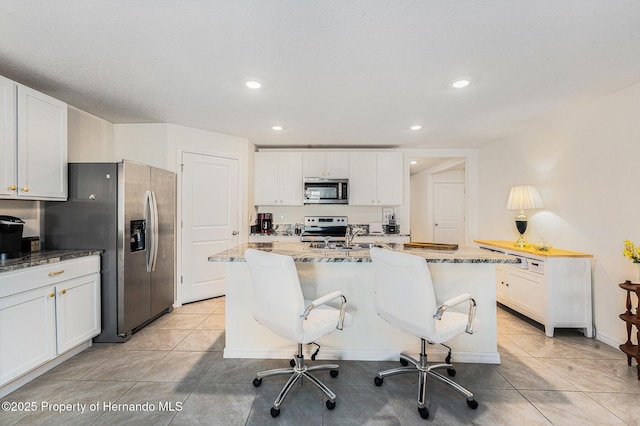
303, 252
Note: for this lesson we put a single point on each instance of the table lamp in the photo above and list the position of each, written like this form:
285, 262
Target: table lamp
521, 198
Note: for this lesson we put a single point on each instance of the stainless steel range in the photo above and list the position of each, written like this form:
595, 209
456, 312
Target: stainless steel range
324, 228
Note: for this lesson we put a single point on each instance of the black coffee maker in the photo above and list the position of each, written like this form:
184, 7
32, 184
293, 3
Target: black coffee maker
265, 223
10, 237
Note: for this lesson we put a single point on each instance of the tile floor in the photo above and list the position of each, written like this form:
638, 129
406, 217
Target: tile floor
176, 365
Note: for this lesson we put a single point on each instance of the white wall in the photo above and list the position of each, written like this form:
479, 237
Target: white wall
420, 206
90, 139
144, 142
586, 164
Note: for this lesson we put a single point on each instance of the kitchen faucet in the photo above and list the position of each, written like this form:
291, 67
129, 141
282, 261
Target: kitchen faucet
351, 234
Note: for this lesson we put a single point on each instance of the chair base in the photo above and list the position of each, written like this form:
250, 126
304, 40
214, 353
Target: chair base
298, 372
424, 371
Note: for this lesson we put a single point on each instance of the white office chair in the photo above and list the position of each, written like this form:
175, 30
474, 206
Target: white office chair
278, 304
404, 297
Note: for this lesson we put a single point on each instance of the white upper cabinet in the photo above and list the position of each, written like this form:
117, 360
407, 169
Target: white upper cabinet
33, 143
331, 165
376, 178
278, 179
8, 173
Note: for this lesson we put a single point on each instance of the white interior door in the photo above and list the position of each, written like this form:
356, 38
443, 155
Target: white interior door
210, 220
448, 213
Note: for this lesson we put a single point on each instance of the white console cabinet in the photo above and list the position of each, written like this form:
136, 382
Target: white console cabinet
551, 287
45, 311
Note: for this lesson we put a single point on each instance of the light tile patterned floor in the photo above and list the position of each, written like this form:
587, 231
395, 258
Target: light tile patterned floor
175, 366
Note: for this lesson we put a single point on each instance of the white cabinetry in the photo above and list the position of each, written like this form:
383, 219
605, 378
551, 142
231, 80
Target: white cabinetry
278, 179
553, 289
376, 179
333, 165
46, 311
33, 144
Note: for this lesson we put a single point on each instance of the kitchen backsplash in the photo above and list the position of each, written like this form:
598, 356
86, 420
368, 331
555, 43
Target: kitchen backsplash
290, 229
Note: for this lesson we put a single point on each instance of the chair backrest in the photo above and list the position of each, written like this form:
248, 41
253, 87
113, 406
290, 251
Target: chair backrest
404, 294
277, 300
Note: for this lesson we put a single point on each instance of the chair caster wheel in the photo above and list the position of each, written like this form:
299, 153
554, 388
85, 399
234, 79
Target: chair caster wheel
378, 380
257, 382
275, 412
404, 362
292, 362
451, 371
472, 403
331, 405
334, 373
424, 412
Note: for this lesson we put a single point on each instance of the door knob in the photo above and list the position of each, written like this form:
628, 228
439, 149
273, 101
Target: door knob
234, 233
12, 188
25, 189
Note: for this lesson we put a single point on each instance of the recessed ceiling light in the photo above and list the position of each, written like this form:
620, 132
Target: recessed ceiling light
459, 84
277, 128
416, 127
253, 85
414, 162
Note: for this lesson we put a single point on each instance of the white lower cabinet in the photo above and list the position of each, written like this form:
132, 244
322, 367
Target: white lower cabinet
77, 311
28, 332
46, 311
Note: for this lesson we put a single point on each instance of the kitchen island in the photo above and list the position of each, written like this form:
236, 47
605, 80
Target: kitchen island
467, 270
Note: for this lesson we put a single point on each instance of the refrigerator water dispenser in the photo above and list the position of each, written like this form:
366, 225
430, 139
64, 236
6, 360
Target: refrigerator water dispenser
137, 235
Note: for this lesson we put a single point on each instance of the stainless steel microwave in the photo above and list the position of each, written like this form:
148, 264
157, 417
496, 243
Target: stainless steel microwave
326, 191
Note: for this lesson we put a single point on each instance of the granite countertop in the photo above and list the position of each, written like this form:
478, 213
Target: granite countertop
302, 252
44, 257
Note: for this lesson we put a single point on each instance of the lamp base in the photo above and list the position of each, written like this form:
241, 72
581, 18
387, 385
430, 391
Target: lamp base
521, 243
521, 226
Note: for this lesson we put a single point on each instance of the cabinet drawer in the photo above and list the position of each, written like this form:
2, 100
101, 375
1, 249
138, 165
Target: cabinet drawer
536, 266
39, 276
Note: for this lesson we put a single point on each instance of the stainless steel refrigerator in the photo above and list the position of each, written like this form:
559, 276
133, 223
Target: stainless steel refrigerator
128, 210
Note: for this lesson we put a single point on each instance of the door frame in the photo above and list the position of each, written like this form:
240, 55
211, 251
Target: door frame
241, 225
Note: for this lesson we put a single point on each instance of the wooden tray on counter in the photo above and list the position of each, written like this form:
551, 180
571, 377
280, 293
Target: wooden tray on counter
432, 246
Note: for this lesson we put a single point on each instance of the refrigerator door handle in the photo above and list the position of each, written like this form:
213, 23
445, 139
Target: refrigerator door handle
148, 213
156, 236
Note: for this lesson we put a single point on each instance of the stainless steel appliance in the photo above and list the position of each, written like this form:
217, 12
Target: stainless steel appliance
11, 228
265, 223
393, 227
128, 210
326, 191
324, 228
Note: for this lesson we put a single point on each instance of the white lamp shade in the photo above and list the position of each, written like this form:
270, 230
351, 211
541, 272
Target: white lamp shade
524, 197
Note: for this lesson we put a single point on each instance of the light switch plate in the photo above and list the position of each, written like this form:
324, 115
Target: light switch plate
386, 215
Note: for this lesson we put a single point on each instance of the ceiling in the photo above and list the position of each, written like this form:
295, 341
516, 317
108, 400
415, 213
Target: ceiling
334, 73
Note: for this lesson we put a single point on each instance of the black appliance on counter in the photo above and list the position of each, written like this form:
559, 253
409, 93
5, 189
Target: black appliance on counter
265, 223
10, 237
324, 228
